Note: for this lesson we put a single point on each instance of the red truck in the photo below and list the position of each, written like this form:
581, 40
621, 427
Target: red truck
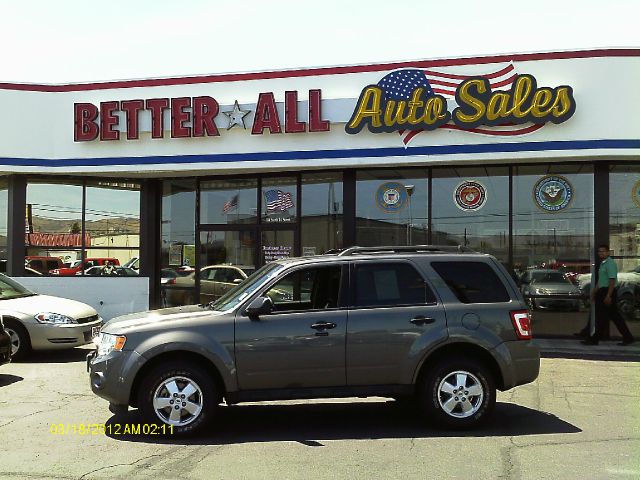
79, 266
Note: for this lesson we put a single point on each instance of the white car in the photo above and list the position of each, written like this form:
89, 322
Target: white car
43, 322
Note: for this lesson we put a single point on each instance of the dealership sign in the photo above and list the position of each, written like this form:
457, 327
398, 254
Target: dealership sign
192, 117
406, 100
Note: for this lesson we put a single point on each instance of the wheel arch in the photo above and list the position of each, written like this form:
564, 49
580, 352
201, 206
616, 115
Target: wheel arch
461, 349
186, 356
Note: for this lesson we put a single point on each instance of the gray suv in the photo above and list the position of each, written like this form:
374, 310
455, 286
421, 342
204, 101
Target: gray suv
440, 325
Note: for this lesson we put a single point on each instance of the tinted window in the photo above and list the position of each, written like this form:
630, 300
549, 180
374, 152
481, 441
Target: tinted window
388, 284
472, 282
309, 289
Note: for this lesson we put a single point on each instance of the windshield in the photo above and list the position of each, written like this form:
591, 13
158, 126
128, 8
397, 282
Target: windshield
9, 288
548, 277
237, 294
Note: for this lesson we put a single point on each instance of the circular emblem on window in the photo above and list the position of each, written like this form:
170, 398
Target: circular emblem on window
553, 193
635, 193
470, 195
391, 197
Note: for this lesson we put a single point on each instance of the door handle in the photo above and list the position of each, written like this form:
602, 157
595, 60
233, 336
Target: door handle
323, 325
422, 320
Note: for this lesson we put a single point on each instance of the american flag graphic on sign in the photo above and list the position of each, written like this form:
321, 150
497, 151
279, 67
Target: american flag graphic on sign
277, 201
400, 84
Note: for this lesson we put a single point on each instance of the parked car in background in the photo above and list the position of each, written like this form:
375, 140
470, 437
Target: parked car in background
44, 322
167, 276
215, 281
550, 289
82, 266
133, 263
117, 272
5, 345
627, 293
43, 264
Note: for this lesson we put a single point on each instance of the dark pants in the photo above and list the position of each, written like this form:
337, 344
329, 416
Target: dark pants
609, 312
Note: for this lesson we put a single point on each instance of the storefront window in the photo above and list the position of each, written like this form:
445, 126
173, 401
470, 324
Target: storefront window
470, 207
279, 200
112, 226
322, 208
276, 245
53, 226
624, 240
4, 208
226, 260
391, 207
178, 236
229, 201
553, 234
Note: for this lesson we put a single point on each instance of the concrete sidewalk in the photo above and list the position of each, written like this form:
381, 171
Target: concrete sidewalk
572, 348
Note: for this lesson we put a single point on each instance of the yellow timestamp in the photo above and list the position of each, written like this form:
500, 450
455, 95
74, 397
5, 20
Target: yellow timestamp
110, 429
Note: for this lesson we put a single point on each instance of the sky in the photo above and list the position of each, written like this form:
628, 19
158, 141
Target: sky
69, 41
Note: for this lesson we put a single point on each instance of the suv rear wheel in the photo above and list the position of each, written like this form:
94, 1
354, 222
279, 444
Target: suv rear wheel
180, 395
458, 393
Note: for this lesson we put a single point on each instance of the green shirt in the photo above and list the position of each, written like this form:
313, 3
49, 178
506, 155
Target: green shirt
607, 270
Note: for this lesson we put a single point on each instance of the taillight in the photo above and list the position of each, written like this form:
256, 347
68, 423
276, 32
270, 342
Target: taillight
521, 324
171, 281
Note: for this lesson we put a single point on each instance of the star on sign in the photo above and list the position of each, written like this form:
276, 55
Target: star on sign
236, 116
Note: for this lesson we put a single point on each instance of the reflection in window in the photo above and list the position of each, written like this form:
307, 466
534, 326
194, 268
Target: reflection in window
315, 288
178, 236
471, 208
4, 208
229, 201
391, 207
389, 284
322, 209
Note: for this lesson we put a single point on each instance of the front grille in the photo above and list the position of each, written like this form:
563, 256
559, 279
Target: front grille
63, 340
90, 319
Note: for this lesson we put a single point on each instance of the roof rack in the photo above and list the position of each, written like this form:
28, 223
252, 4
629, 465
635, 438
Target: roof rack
406, 249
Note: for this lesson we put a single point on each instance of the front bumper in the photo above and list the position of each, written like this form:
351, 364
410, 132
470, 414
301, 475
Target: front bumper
54, 337
111, 376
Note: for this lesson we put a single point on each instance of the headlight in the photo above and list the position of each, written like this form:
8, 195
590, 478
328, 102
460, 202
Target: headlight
541, 291
107, 343
55, 318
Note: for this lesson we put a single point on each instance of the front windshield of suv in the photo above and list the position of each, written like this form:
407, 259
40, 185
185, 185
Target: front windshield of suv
548, 277
11, 289
237, 294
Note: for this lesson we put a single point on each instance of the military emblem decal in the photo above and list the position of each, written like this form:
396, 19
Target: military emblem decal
470, 195
391, 197
553, 193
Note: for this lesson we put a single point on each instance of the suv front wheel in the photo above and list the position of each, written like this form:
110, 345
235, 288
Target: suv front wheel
458, 393
180, 395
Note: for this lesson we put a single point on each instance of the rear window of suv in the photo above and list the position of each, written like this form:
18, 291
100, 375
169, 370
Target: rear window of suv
390, 284
472, 282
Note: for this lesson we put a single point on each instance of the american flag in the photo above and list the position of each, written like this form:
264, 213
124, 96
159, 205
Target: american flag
400, 84
277, 200
231, 204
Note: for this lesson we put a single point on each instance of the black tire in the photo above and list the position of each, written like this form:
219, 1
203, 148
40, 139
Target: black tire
20, 339
183, 374
433, 397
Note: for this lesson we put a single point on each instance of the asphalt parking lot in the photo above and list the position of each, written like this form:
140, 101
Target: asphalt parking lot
579, 420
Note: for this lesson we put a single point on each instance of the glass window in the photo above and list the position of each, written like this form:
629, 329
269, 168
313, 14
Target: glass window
624, 240
321, 223
227, 258
112, 226
279, 199
178, 236
390, 284
391, 207
315, 288
53, 225
4, 209
229, 201
553, 220
471, 208
472, 282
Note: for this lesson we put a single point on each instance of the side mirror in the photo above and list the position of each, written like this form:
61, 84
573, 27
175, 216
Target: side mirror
259, 306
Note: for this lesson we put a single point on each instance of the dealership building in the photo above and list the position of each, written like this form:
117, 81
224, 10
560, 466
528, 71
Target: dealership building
533, 158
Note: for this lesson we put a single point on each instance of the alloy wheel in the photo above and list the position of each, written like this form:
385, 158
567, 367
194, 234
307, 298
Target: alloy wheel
460, 394
15, 340
178, 401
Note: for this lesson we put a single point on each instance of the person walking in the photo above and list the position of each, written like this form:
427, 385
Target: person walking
603, 296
